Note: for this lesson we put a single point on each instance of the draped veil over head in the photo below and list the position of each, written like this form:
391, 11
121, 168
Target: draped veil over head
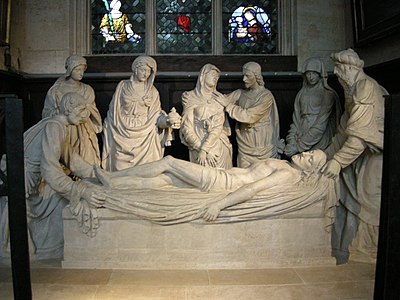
131, 133
204, 124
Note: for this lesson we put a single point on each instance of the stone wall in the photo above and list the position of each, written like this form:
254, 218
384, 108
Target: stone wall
323, 27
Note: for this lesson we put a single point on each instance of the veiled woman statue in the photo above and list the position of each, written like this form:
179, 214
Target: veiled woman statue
136, 129
82, 138
316, 111
205, 128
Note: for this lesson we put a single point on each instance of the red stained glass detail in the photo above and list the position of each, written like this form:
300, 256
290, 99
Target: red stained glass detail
184, 23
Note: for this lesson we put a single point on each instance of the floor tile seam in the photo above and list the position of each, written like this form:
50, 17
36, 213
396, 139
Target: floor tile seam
193, 270
155, 285
203, 285
339, 281
63, 284
156, 270
261, 284
345, 266
208, 276
209, 283
96, 293
183, 270
297, 273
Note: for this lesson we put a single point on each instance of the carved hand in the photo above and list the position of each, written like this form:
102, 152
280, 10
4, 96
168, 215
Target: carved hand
94, 196
331, 169
220, 98
290, 150
211, 159
202, 159
211, 213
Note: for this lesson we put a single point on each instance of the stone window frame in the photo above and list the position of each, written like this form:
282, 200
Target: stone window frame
80, 24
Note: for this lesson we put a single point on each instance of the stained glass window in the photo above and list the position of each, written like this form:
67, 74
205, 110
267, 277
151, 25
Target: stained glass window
118, 26
183, 26
249, 27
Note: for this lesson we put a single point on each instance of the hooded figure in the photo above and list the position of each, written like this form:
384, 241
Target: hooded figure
205, 128
82, 138
355, 155
135, 129
316, 111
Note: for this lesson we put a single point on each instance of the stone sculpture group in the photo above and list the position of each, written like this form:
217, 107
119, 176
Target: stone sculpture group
327, 148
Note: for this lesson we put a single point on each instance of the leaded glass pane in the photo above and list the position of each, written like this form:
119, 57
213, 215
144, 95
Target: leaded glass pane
183, 26
249, 27
118, 26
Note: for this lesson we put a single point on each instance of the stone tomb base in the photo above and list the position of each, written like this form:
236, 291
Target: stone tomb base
125, 242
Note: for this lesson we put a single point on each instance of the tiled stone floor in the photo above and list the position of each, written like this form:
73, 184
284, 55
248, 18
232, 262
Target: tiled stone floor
49, 281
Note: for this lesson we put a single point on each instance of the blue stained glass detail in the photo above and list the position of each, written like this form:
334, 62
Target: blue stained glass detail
249, 27
249, 24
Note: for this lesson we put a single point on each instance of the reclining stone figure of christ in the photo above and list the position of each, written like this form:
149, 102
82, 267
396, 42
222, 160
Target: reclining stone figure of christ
172, 191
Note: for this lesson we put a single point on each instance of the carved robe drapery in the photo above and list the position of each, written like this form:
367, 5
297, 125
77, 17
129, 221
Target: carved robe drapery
204, 124
131, 134
257, 129
82, 138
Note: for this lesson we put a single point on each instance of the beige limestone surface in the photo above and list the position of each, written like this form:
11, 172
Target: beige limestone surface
351, 281
126, 242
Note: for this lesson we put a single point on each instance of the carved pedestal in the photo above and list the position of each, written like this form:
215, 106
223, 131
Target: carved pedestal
124, 241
